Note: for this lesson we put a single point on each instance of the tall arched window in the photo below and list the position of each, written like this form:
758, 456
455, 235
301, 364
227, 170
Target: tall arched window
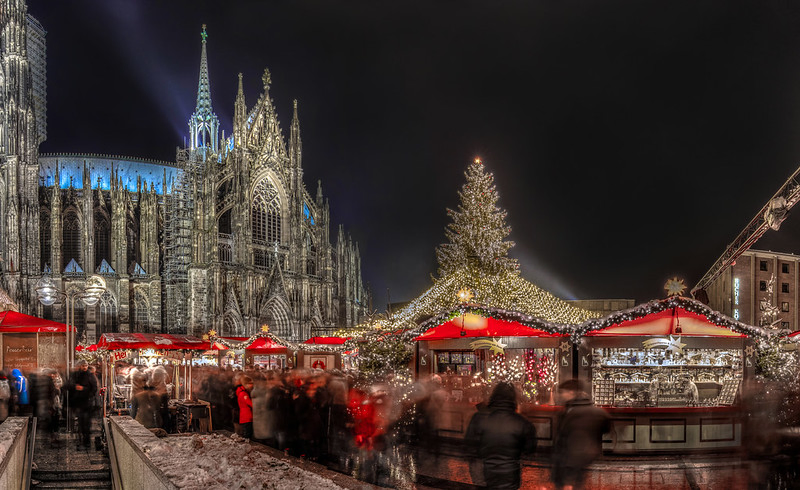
102, 239
266, 213
71, 238
106, 312
141, 317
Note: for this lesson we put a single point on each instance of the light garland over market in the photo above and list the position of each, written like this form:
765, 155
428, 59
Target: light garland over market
504, 292
265, 334
657, 306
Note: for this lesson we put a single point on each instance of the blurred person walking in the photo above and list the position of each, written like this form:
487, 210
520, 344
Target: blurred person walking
502, 436
5, 396
82, 389
245, 405
21, 388
579, 435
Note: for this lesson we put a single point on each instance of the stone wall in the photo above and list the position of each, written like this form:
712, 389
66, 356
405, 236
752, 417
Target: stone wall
13, 436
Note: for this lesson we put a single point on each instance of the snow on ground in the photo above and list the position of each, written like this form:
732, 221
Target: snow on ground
9, 430
213, 461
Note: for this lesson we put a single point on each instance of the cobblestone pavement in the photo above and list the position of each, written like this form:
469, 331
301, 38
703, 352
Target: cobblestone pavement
658, 473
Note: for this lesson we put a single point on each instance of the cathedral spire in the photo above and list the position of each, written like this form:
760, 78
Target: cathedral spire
239, 115
204, 125
295, 143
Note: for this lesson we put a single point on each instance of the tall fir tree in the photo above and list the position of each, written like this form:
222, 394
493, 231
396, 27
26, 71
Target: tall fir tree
478, 231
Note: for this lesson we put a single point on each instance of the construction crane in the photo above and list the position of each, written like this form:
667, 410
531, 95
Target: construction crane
769, 217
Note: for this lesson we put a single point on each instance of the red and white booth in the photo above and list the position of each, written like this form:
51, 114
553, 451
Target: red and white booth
470, 347
670, 372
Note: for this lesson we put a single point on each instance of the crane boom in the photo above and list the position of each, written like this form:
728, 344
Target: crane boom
769, 217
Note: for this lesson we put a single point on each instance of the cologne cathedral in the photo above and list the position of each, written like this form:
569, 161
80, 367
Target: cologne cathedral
226, 237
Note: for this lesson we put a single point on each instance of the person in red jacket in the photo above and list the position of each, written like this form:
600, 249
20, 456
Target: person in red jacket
245, 407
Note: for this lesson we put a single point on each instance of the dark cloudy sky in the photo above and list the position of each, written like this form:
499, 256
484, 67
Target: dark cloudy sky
630, 140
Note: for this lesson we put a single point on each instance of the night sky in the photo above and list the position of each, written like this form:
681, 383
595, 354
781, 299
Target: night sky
630, 141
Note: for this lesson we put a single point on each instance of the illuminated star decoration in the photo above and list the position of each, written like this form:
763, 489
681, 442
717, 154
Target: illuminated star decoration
212, 333
675, 287
465, 295
494, 345
265, 328
671, 344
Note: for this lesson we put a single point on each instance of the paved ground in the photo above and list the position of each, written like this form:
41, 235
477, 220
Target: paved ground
452, 471
726, 472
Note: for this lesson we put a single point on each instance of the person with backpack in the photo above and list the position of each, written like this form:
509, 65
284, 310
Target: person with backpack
5, 396
21, 385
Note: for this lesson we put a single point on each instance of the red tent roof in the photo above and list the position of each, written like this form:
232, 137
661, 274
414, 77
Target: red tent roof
326, 340
14, 322
114, 341
261, 344
475, 326
667, 322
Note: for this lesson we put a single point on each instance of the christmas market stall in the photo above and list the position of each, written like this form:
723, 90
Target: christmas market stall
29, 343
128, 353
471, 348
262, 350
321, 353
670, 372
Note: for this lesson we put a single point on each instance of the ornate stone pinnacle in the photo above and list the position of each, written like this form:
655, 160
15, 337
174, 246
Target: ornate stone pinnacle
266, 78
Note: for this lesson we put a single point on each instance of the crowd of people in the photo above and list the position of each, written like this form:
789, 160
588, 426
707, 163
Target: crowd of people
381, 431
42, 393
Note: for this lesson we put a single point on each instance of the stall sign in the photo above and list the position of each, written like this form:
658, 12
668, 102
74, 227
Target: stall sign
119, 355
20, 352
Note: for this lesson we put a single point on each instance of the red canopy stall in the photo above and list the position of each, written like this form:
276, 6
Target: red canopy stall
173, 351
28, 343
321, 353
262, 351
470, 348
670, 372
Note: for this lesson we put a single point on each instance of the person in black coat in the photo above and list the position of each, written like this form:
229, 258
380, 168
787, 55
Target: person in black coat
579, 436
503, 436
82, 389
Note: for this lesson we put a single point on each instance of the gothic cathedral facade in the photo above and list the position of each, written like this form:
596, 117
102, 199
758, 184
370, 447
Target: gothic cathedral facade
226, 237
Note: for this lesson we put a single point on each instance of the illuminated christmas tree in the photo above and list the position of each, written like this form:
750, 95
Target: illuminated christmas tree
478, 231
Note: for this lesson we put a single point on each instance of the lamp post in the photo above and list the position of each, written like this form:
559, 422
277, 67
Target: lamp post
89, 293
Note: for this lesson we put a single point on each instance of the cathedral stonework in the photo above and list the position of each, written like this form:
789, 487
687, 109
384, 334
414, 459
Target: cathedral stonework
226, 237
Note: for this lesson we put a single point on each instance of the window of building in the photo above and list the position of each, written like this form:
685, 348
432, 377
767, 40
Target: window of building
785, 325
785, 287
763, 265
71, 236
141, 316
785, 268
785, 306
762, 285
266, 214
102, 239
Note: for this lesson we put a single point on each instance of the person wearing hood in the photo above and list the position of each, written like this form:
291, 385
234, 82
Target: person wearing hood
21, 385
503, 437
579, 435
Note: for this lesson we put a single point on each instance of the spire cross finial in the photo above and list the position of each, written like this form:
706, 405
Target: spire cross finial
266, 78
203, 34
